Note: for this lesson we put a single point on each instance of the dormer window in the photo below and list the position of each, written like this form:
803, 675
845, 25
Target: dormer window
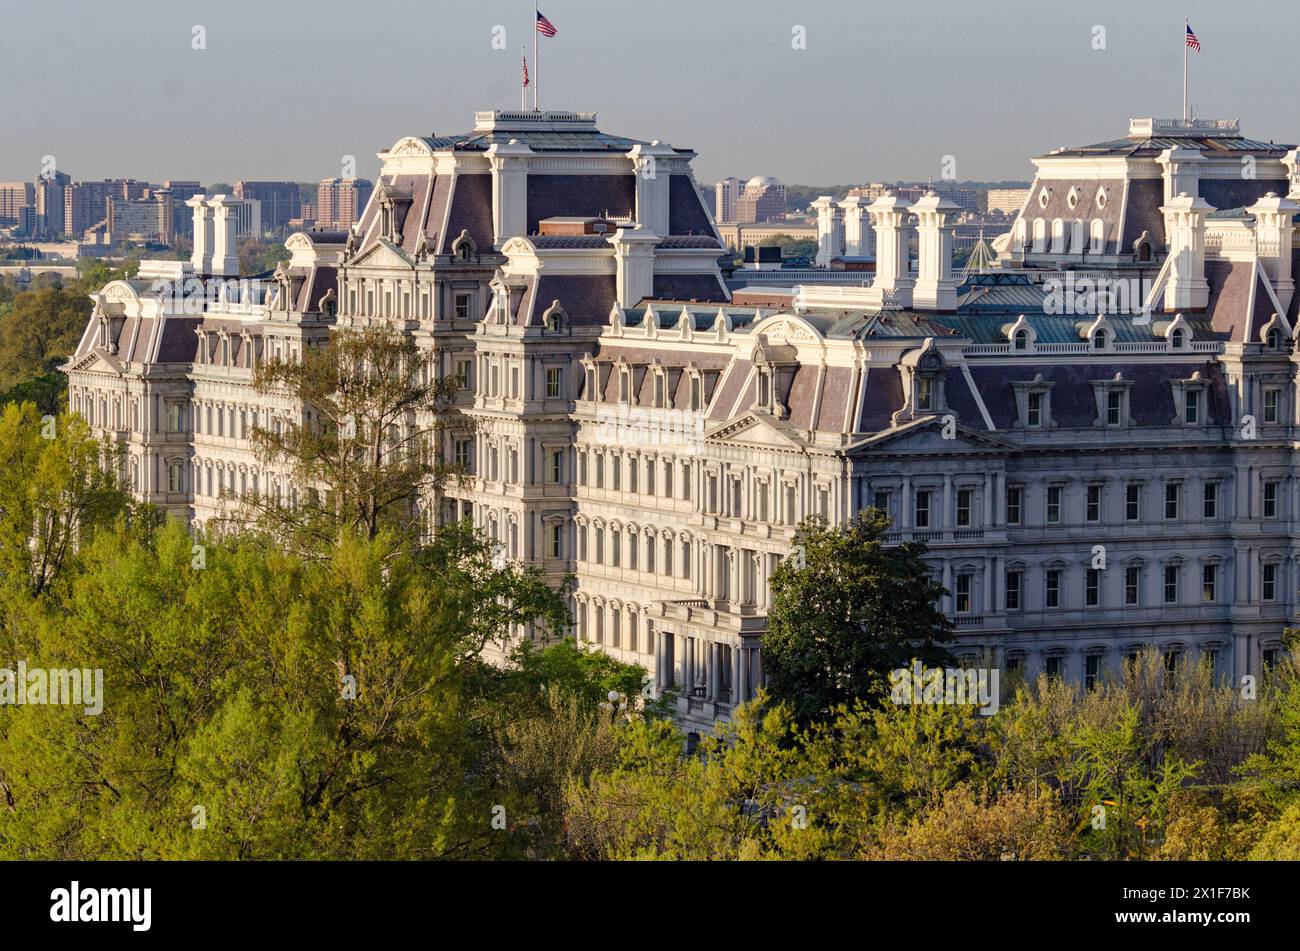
697, 393
1190, 401
386, 220
1099, 340
660, 391
1176, 339
1113, 402
765, 388
1274, 339
1034, 403
1021, 340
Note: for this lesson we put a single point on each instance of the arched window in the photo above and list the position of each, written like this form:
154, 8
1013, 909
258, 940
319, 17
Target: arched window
1058, 236
1022, 340
1099, 340
1275, 339
1040, 236
1176, 338
1098, 244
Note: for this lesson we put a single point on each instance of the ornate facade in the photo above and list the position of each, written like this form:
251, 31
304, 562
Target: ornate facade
1095, 438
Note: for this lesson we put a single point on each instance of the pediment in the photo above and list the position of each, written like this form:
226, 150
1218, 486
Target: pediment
928, 435
96, 360
384, 253
757, 429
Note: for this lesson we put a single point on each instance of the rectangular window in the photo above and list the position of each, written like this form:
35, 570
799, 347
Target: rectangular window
922, 509
464, 373
462, 306
1133, 502
1053, 503
1209, 581
1171, 584
1192, 406
1014, 495
962, 595
1035, 409
880, 500
1092, 590
555, 539
964, 499
1114, 407
1132, 584
1015, 580
1052, 588
1173, 492
1271, 396
1210, 500
173, 417
1093, 513
925, 393
1052, 666
1270, 499
554, 383
555, 466
1091, 670
1270, 581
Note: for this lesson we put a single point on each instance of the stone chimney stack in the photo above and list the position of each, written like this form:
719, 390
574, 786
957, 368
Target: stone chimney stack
1186, 287
201, 257
891, 219
936, 288
830, 230
634, 264
1274, 231
225, 261
859, 239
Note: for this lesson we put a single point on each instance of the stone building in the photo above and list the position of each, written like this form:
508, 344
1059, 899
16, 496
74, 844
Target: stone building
1094, 439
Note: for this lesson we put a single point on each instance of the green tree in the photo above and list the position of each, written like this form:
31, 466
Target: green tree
368, 447
55, 492
846, 609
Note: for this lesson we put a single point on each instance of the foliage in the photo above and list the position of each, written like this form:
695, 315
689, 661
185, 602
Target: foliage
847, 609
376, 412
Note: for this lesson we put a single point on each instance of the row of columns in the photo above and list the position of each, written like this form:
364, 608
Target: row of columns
693, 663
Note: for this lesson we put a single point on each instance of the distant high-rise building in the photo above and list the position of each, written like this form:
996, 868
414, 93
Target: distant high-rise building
340, 201
142, 219
762, 199
281, 201
49, 203
182, 217
725, 196
247, 213
85, 204
1007, 201
14, 198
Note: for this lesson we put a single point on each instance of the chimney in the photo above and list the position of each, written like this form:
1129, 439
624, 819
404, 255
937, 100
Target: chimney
936, 288
634, 264
225, 262
1186, 288
1274, 229
509, 163
893, 284
830, 230
858, 236
201, 257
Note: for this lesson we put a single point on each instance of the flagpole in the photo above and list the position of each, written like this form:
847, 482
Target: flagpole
537, 59
1185, 28
523, 90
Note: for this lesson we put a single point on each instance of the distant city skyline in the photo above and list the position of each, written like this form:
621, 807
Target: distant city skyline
286, 91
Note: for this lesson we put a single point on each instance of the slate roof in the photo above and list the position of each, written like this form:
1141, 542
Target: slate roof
1154, 145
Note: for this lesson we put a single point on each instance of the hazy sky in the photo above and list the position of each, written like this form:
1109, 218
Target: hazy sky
883, 91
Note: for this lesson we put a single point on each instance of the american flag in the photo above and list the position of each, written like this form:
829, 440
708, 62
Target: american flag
544, 26
1192, 41
525, 70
